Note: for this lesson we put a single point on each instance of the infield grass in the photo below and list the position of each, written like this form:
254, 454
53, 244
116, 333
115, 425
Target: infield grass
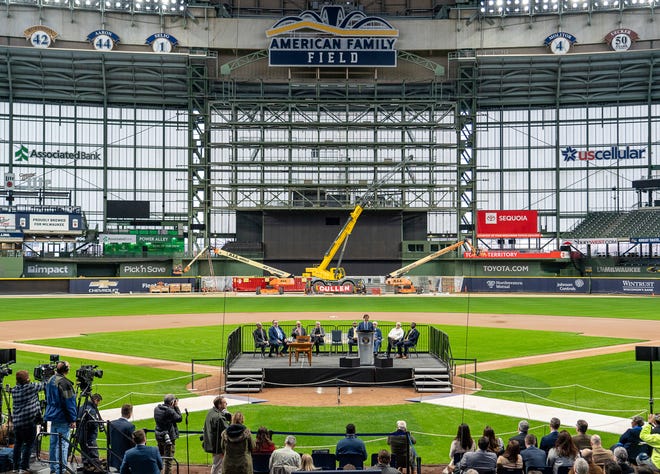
182, 344
593, 306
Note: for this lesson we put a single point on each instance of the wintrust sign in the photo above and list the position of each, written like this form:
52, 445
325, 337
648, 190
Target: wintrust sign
507, 224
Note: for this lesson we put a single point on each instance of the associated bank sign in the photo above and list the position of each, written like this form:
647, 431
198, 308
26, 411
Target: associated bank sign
22, 153
332, 39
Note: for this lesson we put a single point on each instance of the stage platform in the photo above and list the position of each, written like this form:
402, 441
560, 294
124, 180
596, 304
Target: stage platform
251, 372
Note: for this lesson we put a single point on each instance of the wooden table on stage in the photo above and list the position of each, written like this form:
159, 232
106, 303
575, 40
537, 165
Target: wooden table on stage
301, 347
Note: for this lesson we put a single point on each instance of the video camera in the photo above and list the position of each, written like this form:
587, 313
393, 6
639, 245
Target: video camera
7, 357
85, 375
44, 372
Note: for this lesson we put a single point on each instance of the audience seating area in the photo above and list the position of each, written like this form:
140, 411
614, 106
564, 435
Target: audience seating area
612, 224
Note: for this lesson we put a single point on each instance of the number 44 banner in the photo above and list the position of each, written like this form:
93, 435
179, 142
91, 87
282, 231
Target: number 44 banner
103, 40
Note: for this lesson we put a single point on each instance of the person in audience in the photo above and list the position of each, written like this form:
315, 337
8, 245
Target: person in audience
260, 339
378, 338
401, 443
511, 458
217, 420
495, 444
285, 457
460, 445
237, 445
523, 428
645, 468
579, 467
652, 439
318, 336
141, 459
564, 453
482, 459
351, 444
531, 455
587, 455
408, 341
611, 467
621, 456
600, 454
631, 436
352, 337
581, 439
263, 443
349, 467
393, 337
384, 459
307, 463
548, 441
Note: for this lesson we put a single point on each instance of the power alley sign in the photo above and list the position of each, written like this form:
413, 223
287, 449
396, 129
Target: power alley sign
332, 39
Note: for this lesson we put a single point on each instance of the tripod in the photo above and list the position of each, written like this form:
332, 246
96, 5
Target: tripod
88, 421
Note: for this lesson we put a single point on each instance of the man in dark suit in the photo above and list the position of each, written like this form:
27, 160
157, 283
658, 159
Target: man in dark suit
352, 337
277, 340
378, 338
365, 325
481, 460
121, 436
549, 440
408, 341
523, 427
532, 456
141, 459
260, 339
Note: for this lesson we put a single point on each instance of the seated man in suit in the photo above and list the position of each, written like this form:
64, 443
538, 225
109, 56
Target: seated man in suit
408, 341
260, 339
352, 337
481, 460
277, 340
318, 334
378, 338
298, 331
141, 459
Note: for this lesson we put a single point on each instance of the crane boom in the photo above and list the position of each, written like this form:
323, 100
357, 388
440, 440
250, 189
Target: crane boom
423, 260
240, 258
322, 270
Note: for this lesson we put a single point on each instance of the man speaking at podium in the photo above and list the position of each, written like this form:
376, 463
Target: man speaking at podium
366, 325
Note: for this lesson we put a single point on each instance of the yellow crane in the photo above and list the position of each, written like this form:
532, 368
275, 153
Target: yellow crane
322, 275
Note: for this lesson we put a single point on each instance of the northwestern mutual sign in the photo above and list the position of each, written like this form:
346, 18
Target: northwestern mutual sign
332, 39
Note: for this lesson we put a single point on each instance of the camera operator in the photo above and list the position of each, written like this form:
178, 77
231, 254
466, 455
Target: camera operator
88, 430
26, 416
167, 415
61, 412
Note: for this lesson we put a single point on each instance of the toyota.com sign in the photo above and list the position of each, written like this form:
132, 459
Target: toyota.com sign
511, 224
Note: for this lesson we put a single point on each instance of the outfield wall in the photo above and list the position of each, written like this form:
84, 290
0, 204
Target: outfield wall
459, 284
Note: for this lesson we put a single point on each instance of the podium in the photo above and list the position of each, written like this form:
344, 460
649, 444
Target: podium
366, 347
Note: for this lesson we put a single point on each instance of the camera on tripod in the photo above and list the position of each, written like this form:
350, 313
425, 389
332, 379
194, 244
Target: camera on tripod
44, 372
7, 357
85, 375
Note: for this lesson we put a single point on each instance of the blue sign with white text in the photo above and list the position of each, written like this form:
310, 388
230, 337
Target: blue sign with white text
332, 39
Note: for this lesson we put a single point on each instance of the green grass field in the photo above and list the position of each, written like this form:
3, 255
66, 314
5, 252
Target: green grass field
597, 384
604, 307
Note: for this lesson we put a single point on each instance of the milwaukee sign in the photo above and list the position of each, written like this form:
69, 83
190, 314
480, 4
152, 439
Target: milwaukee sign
512, 224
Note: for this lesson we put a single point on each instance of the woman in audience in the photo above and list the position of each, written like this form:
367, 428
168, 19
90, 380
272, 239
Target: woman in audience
461, 444
495, 445
263, 444
511, 458
306, 463
236, 443
564, 453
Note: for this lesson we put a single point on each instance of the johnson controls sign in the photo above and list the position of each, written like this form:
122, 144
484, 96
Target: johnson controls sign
510, 224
